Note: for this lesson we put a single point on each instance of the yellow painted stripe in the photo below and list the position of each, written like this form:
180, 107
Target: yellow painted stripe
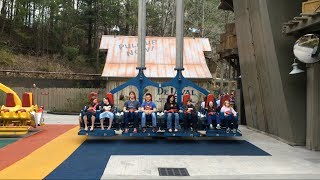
44, 160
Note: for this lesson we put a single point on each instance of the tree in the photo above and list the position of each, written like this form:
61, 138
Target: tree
49, 26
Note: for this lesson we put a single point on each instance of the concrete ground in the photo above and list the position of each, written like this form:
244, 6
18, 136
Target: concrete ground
285, 162
60, 119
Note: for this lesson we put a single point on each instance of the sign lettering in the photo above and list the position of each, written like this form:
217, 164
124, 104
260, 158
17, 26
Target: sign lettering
162, 91
132, 49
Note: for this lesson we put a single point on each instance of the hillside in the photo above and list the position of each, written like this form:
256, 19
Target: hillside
19, 52
47, 63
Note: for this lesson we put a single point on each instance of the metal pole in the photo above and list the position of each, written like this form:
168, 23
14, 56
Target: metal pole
179, 46
142, 34
179, 34
222, 77
202, 30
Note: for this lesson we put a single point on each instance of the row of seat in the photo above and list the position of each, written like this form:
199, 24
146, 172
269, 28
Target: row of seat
161, 122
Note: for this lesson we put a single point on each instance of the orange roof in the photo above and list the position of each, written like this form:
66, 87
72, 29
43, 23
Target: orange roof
121, 60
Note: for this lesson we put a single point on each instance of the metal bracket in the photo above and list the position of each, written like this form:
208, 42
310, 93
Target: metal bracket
179, 82
140, 82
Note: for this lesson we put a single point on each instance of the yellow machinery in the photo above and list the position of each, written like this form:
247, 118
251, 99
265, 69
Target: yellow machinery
16, 117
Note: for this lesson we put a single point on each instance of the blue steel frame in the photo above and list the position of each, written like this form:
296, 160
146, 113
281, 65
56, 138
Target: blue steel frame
178, 82
140, 82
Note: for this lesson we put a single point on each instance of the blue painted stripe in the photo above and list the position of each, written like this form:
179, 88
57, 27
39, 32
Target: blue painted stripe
90, 159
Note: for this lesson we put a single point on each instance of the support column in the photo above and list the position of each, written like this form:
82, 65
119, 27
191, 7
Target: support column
142, 34
313, 107
141, 45
179, 45
179, 34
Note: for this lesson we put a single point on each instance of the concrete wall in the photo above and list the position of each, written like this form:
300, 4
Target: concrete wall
313, 107
274, 101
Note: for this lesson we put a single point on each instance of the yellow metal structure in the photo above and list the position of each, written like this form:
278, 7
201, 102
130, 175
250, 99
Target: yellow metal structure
14, 130
15, 96
16, 120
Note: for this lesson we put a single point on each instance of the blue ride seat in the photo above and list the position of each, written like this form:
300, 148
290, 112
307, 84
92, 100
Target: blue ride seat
224, 120
97, 114
210, 97
148, 120
222, 132
97, 119
163, 122
148, 133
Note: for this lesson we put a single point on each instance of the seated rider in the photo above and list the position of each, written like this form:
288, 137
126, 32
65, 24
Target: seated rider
190, 116
106, 109
90, 113
130, 109
172, 109
230, 116
212, 115
148, 109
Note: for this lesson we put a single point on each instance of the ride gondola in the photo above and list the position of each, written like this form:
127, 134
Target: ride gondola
117, 128
141, 82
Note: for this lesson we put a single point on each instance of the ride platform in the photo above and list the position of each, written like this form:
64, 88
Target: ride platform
221, 133
182, 134
150, 133
97, 132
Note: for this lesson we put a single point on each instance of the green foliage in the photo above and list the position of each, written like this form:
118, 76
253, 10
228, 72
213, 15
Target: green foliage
44, 67
81, 60
23, 35
6, 58
70, 52
74, 28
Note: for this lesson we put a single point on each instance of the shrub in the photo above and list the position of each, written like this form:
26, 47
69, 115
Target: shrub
45, 67
81, 60
70, 52
6, 57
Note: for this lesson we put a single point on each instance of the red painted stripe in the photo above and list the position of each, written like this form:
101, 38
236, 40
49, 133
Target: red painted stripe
21, 148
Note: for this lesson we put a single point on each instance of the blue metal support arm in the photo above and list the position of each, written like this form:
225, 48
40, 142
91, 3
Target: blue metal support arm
180, 82
140, 82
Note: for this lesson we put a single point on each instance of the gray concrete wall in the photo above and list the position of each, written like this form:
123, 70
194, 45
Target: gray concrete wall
274, 101
313, 107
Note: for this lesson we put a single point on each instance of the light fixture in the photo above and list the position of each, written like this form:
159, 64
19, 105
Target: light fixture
194, 31
116, 30
307, 50
295, 68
